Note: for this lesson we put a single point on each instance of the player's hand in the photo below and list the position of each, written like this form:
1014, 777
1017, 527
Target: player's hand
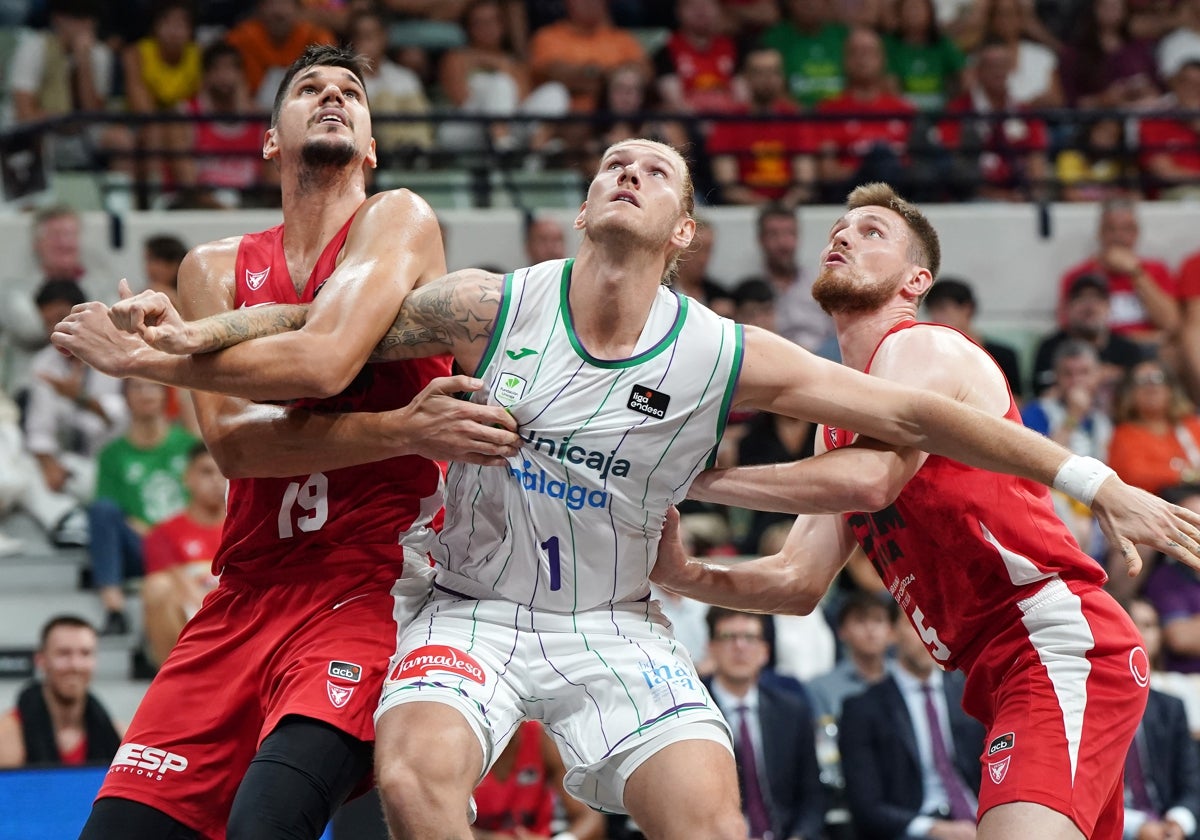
1129, 516
671, 569
442, 427
89, 334
152, 316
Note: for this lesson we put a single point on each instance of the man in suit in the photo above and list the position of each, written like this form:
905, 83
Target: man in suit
1162, 772
777, 768
910, 754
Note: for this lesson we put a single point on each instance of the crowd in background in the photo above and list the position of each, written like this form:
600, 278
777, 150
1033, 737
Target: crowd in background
777, 104
774, 100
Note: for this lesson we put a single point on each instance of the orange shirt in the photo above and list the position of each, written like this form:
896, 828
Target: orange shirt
607, 48
1150, 461
260, 53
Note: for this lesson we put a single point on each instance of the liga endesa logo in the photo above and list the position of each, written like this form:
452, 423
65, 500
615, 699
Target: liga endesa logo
441, 659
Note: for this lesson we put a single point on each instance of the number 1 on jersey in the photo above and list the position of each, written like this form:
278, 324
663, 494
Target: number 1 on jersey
551, 547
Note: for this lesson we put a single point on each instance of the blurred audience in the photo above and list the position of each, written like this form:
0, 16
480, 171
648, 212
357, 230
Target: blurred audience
1104, 66
545, 239
692, 277
1174, 590
1184, 686
1156, 441
798, 317
865, 635
773, 742
696, 68
270, 39
925, 62
910, 754
760, 158
1034, 81
811, 42
57, 721
391, 89
178, 554
1170, 145
1095, 165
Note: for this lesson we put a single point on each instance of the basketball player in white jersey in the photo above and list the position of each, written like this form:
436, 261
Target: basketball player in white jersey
619, 388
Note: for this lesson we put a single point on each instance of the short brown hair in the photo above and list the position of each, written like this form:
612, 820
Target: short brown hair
926, 250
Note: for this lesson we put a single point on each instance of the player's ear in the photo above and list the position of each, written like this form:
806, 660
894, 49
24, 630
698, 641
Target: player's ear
270, 144
684, 232
579, 219
372, 156
919, 281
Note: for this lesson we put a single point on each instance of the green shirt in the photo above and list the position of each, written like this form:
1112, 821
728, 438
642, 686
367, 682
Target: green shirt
812, 64
146, 484
924, 71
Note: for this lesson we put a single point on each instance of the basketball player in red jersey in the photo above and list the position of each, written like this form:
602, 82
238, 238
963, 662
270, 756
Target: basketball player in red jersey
979, 562
259, 724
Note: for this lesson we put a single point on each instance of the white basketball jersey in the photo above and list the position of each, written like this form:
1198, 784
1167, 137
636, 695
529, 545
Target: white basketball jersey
574, 522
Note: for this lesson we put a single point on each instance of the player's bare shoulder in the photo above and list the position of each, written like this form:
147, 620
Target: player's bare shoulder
206, 277
400, 205
941, 359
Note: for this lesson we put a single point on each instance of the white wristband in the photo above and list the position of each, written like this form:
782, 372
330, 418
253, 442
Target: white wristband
1080, 477
564, 835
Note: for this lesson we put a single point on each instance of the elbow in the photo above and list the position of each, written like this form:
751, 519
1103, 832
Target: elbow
804, 600
875, 489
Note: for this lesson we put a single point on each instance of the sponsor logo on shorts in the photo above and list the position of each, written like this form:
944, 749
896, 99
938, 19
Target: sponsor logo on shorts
255, 279
649, 402
997, 770
1139, 666
345, 671
1004, 742
442, 659
150, 762
339, 695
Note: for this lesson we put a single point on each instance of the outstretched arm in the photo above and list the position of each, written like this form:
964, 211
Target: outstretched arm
792, 581
824, 392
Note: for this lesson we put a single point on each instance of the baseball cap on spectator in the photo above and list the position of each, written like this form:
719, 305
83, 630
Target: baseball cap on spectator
1177, 55
1085, 282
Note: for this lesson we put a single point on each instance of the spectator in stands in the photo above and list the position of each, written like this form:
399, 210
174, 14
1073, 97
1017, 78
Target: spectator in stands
696, 68
519, 794
580, 50
1189, 331
869, 140
1088, 313
1180, 38
139, 483
162, 255
747, 20
270, 40
1174, 590
1162, 773
763, 159
485, 77
1104, 66
58, 254
57, 721
910, 753
73, 411
691, 273
1035, 81
951, 301
811, 42
1170, 146
629, 96
1073, 412
1141, 290
392, 89
66, 69
798, 317
864, 631
754, 304
178, 554
162, 71
1006, 156
869, 14
925, 62
773, 741
1184, 686
219, 160
1156, 441
1096, 165
545, 239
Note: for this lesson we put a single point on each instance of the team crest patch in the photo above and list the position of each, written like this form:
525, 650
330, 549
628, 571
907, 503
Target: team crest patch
339, 695
1004, 742
509, 388
255, 279
649, 402
345, 671
438, 659
999, 769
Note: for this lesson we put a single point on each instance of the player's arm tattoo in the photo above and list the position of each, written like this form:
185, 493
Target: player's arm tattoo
225, 329
452, 314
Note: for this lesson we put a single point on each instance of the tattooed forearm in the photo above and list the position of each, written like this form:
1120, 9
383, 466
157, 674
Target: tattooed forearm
225, 329
452, 314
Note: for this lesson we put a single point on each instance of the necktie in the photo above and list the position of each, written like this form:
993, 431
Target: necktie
960, 807
755, 805
1135, 778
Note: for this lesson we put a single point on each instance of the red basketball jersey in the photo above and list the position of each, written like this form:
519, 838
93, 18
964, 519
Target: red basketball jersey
961, 547
351, 514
